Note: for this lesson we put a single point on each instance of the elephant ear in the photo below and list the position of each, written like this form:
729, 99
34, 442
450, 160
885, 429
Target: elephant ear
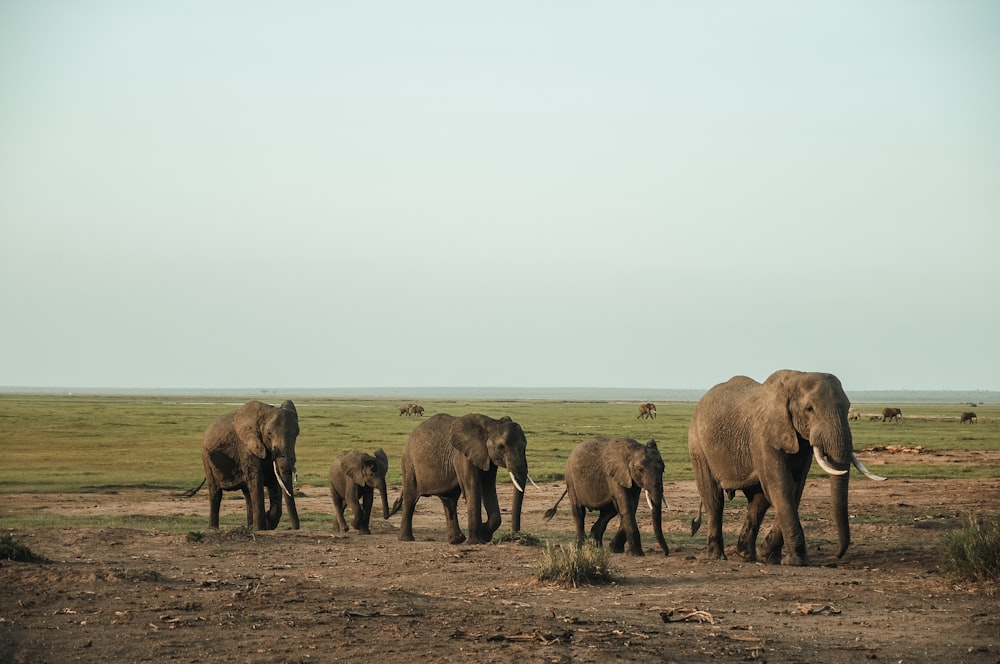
246, 422
618, 466
468, 435
382, 460
775, 422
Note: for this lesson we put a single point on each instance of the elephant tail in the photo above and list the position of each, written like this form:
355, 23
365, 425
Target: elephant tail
396, 506
696, 523
190, 492
551, 512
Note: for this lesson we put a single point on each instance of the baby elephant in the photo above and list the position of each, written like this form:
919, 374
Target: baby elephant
608, 474
354, 476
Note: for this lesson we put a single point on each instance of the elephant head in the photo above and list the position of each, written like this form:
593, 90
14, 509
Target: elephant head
371, 472
269, 433
485, 441
811, 408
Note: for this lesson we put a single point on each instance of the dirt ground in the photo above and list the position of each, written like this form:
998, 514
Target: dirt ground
124, 595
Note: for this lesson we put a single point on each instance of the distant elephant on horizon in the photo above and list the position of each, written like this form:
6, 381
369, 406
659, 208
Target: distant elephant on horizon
416, 409
893, 414
969, 417
647, 410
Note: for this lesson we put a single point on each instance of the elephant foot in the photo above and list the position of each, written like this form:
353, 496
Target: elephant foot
747, 554
405, 537
618, 544
457, 539
794, 561
636, 552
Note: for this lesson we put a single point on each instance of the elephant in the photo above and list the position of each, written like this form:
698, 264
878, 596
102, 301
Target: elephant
608, 474
647, 410
354, 476
853, 415
874, 418
762, 439
969, 417
251, 449
416, 409
405, 409
447, 456
894, 414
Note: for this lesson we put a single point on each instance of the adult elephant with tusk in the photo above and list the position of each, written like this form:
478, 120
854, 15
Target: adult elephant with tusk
761, 439
450, 456
251, 449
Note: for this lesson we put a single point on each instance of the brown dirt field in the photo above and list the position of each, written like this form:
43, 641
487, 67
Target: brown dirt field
314, 596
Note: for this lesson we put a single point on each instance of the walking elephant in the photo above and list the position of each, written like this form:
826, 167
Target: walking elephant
647, 410
251, 449
448, 456
416, 409
354, 476
608, 474
893, 414
969, 417
761, 439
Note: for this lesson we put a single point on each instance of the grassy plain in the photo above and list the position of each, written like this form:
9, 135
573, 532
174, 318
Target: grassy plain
77, 444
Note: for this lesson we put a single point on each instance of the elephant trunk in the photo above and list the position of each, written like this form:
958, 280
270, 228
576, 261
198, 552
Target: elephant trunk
838, 494
656, 498
518, 469
384, 495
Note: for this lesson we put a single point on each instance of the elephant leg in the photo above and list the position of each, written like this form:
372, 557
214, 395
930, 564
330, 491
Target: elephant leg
629, 524
454, 531
605, 515
757, 506
339, 522
364, 517
257, 507
579, 514
787, 534
214, 505
274, 494
492, 506
406, 520
474, 492
711, 498
249, 504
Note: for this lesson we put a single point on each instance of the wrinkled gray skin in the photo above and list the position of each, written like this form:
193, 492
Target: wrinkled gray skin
354, 477
759, 438
448, 456
609, 475
241, 451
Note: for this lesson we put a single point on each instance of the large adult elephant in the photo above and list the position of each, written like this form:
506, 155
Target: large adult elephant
251, 449
354, 476
608, 474
448, 456
761, 439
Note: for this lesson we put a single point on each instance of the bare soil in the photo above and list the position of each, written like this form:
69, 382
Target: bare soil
132, 595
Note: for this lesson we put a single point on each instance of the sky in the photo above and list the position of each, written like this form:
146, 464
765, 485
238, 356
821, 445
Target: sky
539, 194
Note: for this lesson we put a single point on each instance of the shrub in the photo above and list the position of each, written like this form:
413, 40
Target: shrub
520, 537
973, 553
578, 565
11, 549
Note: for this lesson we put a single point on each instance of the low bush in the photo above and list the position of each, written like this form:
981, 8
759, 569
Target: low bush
11, 549
576, 565
973, 553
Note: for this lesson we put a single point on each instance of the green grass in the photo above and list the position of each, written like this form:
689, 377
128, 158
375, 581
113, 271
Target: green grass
96, 443
973, 553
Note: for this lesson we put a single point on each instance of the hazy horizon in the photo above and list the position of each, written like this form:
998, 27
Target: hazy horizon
529, 194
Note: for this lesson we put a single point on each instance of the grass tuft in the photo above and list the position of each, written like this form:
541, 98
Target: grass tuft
11, 549
973, 553
520, 537
576, 566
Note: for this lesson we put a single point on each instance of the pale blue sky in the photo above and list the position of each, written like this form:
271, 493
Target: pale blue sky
603, 194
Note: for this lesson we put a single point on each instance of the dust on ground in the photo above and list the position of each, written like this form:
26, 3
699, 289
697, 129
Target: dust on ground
132, 595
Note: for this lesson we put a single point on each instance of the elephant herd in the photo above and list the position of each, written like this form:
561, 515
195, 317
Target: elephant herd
757, 438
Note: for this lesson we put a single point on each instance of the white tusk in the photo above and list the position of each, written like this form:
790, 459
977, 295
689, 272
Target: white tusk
826, 466
278, 475
649, 501
519, 487
533, 482
864, 471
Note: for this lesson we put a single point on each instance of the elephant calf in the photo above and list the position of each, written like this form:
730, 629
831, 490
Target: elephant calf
607, 474
354, 476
